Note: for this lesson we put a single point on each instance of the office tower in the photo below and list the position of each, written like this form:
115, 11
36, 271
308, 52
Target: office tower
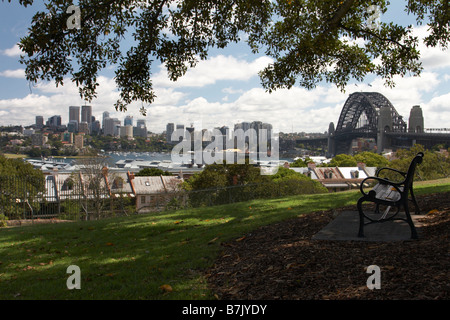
39, 122
126, 131
54, 121
72, 126
141, 123
95, 127
141, 129
112, 126
268, 127
169, 131
105, 116
86, 114
128, 121
74, 114
83, 127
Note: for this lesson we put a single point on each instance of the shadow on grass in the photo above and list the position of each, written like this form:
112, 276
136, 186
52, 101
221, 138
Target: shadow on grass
132, 257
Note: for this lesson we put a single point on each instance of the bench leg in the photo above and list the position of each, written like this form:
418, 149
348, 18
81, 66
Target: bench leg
361, 218
415, 202
410, 222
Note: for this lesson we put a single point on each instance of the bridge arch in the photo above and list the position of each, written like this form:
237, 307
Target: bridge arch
369, 103
365, 114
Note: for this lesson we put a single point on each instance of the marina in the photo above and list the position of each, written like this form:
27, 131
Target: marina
132, 162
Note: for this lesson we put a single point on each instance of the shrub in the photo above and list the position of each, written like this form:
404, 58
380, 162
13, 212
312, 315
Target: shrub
3, 220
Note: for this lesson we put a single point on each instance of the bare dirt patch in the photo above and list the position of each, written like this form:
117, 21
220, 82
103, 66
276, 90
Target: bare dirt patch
281, 262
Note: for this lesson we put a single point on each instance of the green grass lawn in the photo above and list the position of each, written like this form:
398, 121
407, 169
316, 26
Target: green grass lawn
132, 257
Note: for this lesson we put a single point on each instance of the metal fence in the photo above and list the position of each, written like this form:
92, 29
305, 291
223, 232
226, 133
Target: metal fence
28, 198
183, 199
31, 198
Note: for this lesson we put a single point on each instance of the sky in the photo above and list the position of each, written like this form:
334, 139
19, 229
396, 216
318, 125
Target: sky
223, 90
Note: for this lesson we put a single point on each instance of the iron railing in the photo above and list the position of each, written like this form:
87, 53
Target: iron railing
27, 198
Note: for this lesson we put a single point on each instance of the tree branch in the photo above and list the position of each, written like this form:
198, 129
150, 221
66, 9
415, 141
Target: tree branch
372, 34
339, 15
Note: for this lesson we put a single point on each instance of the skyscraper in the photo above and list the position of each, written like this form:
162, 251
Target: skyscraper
111, 126
169, 130
128, 121
39, 122
105, 116
141, 129
83, 127
86, 114
54, 121
74, 113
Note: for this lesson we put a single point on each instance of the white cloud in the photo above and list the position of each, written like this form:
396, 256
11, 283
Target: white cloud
431, 57
12, 52
215, 69
18, 73
296, 109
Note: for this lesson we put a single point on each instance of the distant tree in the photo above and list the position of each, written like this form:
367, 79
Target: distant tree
300, 163
20, 184
290, 182
35, 152
371, 159
343, 160
434, 165
309, 41
147, 172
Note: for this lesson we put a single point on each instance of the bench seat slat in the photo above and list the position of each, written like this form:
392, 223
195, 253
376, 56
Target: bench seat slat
386, 192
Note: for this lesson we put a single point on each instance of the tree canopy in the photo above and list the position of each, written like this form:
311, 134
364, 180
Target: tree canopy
147, 172
309, 41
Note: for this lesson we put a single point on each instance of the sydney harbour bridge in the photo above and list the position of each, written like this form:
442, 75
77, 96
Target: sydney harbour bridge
370, 115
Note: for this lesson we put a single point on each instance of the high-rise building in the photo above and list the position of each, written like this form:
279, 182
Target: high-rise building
74, 113
128, 121
86, 114
126, 131
83, 127
72, 126
112, 126
95, 127
39, 122
105, 116
54, 121
141, 123
170, 128
141, 129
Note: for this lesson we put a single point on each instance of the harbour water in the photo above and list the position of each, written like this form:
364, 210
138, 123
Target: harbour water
131, 160
113, 157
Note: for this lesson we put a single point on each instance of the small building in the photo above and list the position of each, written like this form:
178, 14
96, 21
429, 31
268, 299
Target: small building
154, 192
338, 178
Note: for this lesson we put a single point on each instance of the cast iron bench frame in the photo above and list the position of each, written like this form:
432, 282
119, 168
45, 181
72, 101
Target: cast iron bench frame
390, 194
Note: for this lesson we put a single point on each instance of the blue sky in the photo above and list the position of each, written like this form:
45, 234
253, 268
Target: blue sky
223, 90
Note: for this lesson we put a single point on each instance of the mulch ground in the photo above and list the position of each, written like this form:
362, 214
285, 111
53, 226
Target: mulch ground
281, 262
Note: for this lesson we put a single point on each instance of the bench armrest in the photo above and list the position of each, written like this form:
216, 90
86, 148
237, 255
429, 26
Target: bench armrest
382, 181
386, 168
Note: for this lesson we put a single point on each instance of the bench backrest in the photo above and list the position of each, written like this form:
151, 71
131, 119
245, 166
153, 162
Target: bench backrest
411, 170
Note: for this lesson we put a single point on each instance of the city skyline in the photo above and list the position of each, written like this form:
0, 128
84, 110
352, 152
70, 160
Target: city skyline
222, 90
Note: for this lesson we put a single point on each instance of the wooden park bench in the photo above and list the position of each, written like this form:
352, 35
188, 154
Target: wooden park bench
390, 194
